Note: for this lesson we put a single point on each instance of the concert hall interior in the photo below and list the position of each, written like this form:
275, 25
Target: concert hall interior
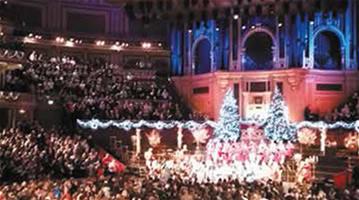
179, 99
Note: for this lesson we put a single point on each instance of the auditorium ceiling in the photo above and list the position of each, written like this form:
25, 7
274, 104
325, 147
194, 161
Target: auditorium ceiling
189, 10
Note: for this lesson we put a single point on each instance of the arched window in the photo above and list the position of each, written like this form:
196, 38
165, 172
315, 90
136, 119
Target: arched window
202, 57
258, 53
327, 53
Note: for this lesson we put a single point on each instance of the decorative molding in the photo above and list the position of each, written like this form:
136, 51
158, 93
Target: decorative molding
294, 82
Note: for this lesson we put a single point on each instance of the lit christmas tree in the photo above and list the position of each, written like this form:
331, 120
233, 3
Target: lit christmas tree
227, 128
277, 125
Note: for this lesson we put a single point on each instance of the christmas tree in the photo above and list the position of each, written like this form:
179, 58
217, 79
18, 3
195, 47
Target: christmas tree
227, 128
277, 126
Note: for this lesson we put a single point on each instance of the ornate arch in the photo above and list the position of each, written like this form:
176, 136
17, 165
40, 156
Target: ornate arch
275, 48
338, 33
256, 30
330, 28
193, 51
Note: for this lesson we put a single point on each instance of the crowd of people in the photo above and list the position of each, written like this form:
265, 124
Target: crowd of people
30, 152
40, 164
347, 112
93, 88
33, 160
130, 186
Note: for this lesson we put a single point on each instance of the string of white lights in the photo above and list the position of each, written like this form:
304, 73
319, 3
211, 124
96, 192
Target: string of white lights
321, 125
193, 125
128, 125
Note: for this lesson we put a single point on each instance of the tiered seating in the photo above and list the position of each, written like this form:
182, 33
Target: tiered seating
30, 152
95, 89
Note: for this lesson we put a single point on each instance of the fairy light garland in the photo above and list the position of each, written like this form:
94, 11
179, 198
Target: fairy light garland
193, 125
128, 125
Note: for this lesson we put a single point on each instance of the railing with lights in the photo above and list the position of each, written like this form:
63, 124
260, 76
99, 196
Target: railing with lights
109, 44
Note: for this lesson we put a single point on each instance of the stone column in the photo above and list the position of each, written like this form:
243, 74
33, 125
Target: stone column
230, 44
346, 62
310, 41
185, 49
355, 39
239, 45
276, 47
180, 39
190, 65
174, 50
213, 40
287, 34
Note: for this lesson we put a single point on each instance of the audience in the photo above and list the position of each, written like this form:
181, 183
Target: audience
91, 89
33, 160
39, 164
134, 187
347, 112
29, 152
